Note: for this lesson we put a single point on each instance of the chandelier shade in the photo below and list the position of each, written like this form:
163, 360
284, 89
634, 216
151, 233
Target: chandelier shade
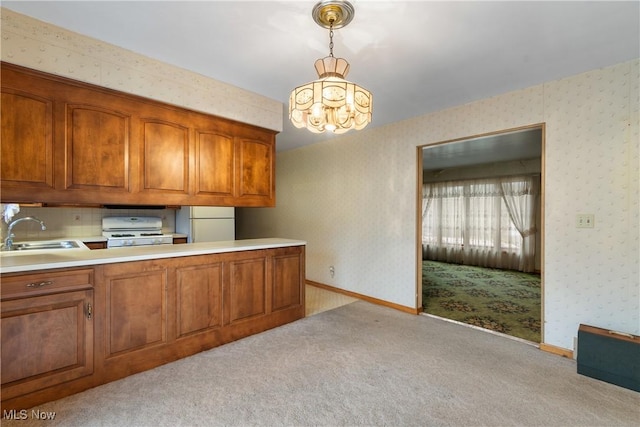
331, 103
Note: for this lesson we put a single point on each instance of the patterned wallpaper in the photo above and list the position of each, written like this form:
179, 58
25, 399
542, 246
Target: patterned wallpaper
353, 199
36, 44
592, 275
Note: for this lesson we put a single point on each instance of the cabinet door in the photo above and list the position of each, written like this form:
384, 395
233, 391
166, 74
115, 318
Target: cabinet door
165, 157
136, 307
96, 148
288, 279
247, 288
46, 340
255, 180
199, 298
214, 164
27, 144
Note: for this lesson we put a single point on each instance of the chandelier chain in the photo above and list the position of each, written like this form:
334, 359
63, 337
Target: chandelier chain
331, 38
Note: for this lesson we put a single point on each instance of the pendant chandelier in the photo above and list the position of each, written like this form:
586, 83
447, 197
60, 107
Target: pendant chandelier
331, 103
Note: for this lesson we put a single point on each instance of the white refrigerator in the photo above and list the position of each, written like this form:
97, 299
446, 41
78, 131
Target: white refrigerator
206, 223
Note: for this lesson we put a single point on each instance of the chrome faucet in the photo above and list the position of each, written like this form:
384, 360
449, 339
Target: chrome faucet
8, 242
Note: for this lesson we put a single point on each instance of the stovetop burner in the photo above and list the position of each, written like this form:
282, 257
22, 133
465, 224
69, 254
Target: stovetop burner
134, 231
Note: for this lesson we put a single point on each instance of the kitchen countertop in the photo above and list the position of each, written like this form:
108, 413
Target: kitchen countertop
11, 262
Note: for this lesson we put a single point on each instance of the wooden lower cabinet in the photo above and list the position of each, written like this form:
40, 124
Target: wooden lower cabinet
78, 328
286, 290
247, 288
136, 306
198, 298
47, 333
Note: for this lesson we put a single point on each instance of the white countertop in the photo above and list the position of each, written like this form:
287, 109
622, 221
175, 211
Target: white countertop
11, 262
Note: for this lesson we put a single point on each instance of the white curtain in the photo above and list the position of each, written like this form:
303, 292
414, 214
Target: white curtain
442, 222
521, 198
426, 204
470, 222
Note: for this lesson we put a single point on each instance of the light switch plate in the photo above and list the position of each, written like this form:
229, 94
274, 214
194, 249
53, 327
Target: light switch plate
585, 220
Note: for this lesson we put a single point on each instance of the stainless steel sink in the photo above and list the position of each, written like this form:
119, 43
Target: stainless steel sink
32, 246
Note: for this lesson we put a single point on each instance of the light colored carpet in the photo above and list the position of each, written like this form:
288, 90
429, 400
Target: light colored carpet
359, 364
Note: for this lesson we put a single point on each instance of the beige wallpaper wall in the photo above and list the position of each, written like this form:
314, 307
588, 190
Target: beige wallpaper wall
354, 199
35, 44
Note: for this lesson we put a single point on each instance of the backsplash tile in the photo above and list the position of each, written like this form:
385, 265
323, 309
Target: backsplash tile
78, 222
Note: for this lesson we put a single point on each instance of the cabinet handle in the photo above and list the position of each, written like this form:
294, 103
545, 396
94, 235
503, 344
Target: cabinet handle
89, 311
39, 285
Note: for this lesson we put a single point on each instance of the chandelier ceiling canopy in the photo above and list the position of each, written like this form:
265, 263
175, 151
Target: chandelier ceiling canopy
331, 103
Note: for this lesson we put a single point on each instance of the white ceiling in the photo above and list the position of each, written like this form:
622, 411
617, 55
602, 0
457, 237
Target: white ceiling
414, 56
502, 147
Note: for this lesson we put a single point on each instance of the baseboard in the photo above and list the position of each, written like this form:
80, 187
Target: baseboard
564, 352
372, 300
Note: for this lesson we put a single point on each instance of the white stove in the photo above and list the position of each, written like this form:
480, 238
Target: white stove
122, 231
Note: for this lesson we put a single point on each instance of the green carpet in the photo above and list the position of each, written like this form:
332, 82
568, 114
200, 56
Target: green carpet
503, 301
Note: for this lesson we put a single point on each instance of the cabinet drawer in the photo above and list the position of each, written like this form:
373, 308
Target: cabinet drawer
25, 285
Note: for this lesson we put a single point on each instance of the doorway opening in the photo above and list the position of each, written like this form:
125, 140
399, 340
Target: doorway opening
480, 231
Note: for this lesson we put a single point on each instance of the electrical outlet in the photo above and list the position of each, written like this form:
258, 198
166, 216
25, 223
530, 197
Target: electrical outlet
585, 220
332, 270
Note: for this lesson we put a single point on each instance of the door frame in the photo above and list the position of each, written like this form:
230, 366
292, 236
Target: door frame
419, 178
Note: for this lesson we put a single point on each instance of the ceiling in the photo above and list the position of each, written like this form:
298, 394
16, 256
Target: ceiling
415, 57
502, 147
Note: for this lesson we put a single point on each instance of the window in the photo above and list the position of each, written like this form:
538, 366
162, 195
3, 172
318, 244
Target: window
471, 222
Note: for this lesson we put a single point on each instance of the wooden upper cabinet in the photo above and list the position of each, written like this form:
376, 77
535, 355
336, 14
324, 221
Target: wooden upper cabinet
65, 141
255, 170
97, 149
165, 156
235, 165
214, 164
27, 140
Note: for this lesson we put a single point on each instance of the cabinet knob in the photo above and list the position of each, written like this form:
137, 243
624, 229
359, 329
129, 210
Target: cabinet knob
39, 285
